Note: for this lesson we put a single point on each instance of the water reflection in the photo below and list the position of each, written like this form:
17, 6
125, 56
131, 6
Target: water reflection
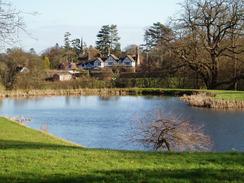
108, 98
100, 122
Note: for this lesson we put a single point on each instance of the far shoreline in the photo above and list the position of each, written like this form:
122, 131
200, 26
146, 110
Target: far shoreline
97, 92
219, 99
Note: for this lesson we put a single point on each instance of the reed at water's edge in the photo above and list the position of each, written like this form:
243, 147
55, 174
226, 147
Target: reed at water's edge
65, 92
208, 101
99, 92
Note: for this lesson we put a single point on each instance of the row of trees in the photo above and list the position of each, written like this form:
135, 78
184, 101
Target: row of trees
11, 22
205, 44
73, 49
107, 42
14, 60
206, 40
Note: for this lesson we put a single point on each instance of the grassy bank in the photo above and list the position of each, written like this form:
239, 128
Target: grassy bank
227, 100
31, 156
219, 94
229, 95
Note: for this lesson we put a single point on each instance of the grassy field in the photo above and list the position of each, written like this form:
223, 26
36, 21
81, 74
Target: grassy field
229, 95
27, 155
219, 94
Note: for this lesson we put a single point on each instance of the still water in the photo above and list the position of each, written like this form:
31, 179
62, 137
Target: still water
100, 122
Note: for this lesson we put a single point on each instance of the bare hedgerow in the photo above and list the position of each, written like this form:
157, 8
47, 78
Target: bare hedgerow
170, 134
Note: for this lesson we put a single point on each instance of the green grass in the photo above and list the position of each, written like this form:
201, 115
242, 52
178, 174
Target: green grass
219, 94
229, 95
27, 155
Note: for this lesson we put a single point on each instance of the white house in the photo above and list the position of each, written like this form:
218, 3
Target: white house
111, 61
62, 76
128, 61
21, 69
92, 64
99, 63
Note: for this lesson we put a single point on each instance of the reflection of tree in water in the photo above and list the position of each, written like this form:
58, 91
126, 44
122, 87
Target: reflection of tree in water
69, 100
20, 102
150, 97
108, 98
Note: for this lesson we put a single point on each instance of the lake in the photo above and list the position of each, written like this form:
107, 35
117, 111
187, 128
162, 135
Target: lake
103, 122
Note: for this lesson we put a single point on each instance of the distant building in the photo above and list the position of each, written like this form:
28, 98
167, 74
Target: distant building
67, 66
128, 61
111, 61
21, 69
92, 64
62, 76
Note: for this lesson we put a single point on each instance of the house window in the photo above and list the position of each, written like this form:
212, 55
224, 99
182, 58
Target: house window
127, 63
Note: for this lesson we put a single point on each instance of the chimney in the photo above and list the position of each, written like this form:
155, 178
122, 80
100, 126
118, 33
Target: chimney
109, 51
88, 54
138, 59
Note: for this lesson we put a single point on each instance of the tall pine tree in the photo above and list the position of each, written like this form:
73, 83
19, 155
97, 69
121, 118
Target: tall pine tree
67, 40
108, 39
157, 35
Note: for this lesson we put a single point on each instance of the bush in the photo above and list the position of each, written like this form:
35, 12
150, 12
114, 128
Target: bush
2, 87
169, 134
73, 84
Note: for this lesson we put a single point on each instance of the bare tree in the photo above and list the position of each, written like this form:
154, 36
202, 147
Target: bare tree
11, 22
207, 26
170, 134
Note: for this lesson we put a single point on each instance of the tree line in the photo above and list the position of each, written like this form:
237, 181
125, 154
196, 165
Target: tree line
205, 40
204, 44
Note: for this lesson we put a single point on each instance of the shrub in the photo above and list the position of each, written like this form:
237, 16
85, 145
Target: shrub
171, 134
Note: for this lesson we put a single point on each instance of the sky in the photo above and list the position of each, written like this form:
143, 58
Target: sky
84, 18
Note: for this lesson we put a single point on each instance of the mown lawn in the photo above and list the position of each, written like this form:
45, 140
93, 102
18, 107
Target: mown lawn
219, 94
27, 155
229, 95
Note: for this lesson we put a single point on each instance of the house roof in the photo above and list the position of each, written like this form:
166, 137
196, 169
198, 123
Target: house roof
113, 56
91, 61
100, 59
130, 58
62, 73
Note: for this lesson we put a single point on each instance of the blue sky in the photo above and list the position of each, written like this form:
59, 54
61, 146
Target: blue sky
84, 18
